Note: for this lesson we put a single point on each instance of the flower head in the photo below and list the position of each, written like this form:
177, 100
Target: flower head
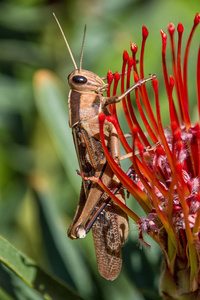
166, 161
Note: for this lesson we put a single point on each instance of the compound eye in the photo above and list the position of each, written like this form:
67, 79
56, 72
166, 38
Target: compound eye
79, 79
68, 76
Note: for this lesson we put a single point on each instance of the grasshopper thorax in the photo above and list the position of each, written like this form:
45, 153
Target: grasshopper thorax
85, 81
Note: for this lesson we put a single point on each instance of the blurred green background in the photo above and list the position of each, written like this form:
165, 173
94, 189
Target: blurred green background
39, 188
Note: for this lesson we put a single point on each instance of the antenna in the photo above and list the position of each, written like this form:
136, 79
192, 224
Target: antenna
70, 52
81, 57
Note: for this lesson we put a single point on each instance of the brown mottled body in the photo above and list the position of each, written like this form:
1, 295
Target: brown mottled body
110, 229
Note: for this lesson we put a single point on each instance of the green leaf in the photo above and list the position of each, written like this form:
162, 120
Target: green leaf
15, 287
26, 269
4, 295
66, 259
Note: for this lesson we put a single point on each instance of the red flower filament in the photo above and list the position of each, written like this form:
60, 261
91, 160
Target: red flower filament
168, 164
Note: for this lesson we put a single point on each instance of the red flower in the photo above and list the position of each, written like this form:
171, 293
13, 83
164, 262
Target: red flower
168, 164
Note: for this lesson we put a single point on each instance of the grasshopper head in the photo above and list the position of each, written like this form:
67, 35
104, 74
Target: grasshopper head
79, 79
85, 81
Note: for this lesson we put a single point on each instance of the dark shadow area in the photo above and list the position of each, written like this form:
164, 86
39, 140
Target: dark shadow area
143, 277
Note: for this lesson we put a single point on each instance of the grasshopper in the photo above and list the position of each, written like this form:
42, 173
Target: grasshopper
110, 224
